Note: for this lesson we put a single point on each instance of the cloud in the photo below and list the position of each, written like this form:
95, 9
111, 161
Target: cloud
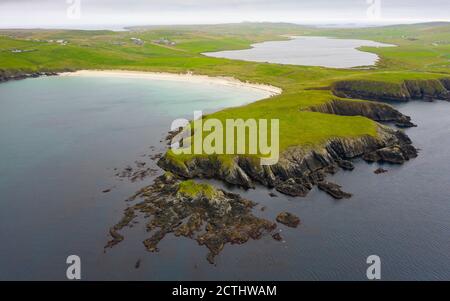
26, 13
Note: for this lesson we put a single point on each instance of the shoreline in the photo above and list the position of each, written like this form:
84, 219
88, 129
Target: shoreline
180, 77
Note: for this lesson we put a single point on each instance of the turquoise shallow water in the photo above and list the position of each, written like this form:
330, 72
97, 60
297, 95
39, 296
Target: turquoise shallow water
61, 138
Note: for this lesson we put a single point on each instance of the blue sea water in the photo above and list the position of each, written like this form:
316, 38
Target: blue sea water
62, 137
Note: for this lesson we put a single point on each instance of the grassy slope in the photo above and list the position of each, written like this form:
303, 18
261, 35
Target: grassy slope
423, 52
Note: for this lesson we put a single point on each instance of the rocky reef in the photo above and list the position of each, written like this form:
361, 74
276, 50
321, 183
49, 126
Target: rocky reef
384, 91
212, 217
139, 172
298, 168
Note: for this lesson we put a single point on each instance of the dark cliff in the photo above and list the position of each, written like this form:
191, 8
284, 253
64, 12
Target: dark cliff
384, 91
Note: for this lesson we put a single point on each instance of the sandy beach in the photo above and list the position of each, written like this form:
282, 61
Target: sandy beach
184, 77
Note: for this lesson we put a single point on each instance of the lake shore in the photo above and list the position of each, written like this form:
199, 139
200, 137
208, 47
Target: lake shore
184, 77
302, 50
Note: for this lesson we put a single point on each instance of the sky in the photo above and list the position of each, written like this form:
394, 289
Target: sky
118, 13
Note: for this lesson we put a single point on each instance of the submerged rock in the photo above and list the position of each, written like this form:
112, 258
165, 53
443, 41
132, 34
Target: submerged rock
156, 156
137, 264
140, 164
380, 171
139, 173
116, 237
334, 190
277, 236
288, 219
212, 217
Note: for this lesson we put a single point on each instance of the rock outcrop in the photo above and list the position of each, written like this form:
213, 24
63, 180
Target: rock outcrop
6, 75
394, 154
334, 190
288, 219
298, 168
384, 91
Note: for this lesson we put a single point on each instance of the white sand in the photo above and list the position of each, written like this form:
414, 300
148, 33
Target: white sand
184, 77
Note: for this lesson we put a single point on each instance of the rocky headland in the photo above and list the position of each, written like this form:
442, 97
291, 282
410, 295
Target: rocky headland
298, 168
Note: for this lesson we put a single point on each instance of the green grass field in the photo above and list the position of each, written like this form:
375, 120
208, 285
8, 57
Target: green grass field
422, 52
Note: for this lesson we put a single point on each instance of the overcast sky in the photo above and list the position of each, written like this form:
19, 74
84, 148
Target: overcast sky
98, 13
